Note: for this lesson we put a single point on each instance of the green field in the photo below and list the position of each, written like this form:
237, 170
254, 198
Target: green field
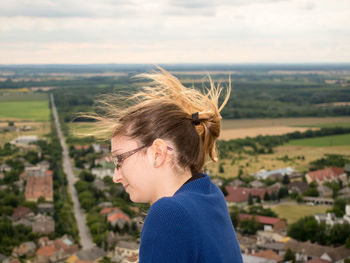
25, 110
326, 141
293, 212
22, 96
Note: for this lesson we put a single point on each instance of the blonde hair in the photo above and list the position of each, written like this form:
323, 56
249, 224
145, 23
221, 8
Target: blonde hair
165, 110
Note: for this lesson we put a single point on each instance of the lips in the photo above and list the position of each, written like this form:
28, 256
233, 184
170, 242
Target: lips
125, 186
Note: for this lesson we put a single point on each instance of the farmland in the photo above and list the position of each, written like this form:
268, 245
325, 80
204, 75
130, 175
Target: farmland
335, 140
24, 106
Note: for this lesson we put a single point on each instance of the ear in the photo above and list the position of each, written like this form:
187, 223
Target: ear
158, 152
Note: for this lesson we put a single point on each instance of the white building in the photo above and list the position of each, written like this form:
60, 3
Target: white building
25, 139
331, 219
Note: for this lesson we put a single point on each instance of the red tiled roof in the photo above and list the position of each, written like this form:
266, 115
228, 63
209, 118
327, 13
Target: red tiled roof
49, 173
47, 251
81, 147
241, 194
269, 254
39, 186
327, 173
107, 210
266, 220
20, 212
117, 216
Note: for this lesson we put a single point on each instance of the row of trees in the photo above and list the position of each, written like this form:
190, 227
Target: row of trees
308, 228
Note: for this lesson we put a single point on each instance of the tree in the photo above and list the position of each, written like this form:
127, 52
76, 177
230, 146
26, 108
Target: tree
249, 226
266, 196
289, 256
258, 199
250, 200
285, 180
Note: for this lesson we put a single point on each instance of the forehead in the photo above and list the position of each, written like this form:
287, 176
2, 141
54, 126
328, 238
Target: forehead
122, 143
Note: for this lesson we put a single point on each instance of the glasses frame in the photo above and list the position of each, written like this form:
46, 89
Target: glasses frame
118, 159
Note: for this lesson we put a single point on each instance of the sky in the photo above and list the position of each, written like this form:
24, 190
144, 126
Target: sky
174, 31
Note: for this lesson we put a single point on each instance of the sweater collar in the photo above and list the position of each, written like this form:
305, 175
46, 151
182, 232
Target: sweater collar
196, 185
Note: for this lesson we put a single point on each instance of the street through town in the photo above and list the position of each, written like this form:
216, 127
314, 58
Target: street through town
85, 236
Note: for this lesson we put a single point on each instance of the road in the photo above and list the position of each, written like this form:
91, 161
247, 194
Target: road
84, 233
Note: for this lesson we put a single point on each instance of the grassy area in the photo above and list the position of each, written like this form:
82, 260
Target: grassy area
25, 110
293, 212
290, 122
22, 96
326, 141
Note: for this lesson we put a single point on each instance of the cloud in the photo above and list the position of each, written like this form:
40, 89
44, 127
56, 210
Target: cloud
123, 31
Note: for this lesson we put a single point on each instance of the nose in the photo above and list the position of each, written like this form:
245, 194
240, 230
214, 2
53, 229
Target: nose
117, 177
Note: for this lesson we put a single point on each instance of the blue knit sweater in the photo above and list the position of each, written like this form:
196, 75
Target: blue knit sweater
191, 226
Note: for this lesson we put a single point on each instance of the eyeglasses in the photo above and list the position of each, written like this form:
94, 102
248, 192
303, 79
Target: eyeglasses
118, 159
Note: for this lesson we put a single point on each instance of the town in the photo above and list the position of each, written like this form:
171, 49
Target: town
58, 203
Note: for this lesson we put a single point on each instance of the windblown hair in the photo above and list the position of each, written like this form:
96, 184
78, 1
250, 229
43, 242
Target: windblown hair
164, 110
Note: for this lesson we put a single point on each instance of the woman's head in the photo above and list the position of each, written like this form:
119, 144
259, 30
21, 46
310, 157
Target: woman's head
181, 118
190, 120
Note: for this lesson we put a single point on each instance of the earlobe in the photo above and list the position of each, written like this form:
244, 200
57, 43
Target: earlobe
159, 150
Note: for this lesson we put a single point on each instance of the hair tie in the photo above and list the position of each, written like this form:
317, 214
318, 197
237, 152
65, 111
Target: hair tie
195, 118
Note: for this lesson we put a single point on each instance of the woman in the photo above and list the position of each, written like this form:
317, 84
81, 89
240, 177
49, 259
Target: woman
159, 147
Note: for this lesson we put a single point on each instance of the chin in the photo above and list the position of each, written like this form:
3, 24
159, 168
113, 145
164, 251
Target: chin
138, 199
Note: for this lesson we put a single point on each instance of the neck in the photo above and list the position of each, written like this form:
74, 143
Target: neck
169, 183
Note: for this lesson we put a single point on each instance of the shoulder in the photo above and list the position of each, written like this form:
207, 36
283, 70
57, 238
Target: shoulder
170, 211
168, 234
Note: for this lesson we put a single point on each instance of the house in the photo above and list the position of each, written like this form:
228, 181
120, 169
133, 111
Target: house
276, 176
46, 254
55, 250
25, 139
254, 259
264, 237
236, 183
108, 210
44, 165
337, 255
305, 251
247, 244
127, 249
26, 249
269, 254
43, 224
344, 193
81, 147
269, 223
330, 174
45, 208
331, 219
324, 190
275, 187
39, 186
118, 218
22, 221
263, 174
257, 184
20, 212
241, 194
